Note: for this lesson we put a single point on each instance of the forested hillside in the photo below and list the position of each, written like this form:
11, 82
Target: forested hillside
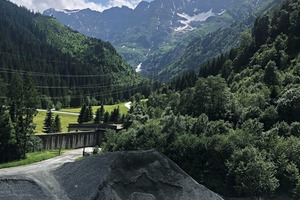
203, 47
64, 64
236, 128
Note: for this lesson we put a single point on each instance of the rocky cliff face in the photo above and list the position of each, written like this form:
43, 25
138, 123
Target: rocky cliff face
146, 175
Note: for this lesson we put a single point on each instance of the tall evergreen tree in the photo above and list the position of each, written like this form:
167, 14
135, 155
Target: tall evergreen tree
31, 102
115, 115
82, 114
90, 114
48, 123
7, 137
99, 114
106, 117
57, 124
18, 113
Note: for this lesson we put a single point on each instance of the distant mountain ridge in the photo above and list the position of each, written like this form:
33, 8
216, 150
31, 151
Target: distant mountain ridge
156, 27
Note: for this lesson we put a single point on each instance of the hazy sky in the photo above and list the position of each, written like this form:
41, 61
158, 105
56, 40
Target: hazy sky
100, 5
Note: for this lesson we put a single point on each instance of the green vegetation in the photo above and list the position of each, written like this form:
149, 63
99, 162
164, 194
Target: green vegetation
45, 64
16, 119
32, 158
65, 119
65, 65
51, 124
234, 128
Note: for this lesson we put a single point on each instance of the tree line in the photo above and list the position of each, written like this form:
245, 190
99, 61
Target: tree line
16, 115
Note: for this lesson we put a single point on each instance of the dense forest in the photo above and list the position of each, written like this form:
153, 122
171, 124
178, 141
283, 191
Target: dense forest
64, 64
235, 126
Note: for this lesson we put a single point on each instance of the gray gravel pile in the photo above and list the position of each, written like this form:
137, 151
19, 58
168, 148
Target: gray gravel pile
143, 175
12, 189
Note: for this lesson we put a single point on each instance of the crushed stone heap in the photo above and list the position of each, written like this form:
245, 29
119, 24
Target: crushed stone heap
140, 175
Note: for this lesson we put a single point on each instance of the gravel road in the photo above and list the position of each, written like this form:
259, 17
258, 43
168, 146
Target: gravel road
50, 164
58, 112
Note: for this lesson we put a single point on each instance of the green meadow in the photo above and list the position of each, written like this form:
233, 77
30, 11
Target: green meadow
67, 119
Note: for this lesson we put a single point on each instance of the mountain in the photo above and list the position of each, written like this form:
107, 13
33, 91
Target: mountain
156, 32
197, 48
236, 127
62, 62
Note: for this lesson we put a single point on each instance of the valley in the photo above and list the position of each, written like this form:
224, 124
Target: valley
152, 37
214, 88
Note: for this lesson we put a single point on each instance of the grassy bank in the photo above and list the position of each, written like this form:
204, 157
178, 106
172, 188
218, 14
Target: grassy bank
32, 158
65, 120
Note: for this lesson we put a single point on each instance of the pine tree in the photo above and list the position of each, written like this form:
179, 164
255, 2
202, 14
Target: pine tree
57, 124
106, 117
90, 114
23, 100
99, 114
48, 123
7, 137
82, 114
115, 115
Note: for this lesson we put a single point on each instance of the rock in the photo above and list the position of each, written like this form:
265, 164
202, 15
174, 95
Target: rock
141, 175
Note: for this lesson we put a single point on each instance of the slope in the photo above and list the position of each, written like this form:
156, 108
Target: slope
201, 48
61, 61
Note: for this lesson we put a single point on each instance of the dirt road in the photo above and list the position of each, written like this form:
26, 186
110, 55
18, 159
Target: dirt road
50, 164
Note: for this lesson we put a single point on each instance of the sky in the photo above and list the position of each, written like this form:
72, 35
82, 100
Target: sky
99, 5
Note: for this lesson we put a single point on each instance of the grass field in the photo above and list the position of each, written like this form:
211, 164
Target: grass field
108, 108
32, 158
67, 119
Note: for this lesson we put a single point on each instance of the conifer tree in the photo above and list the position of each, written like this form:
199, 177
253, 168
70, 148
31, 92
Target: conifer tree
106, 117
99, 114
82, 114
7, 137
115, 115
90, 115
48, 123
57, 124
23, 100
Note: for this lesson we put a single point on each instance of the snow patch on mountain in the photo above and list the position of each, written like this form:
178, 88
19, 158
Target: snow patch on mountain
187, 20
139, 68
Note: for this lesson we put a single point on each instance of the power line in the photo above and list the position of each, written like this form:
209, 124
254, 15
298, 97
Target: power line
39, 74
38, 59
100, 94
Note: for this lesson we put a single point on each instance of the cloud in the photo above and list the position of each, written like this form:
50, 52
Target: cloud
128, 3
40, 6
